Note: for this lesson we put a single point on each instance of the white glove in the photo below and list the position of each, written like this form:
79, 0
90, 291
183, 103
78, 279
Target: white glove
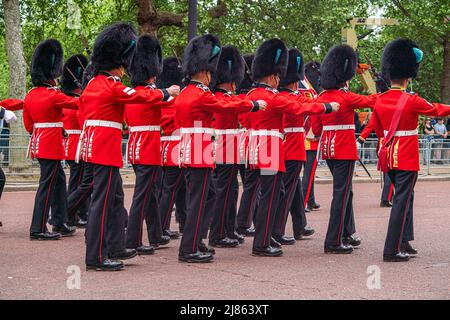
9, 116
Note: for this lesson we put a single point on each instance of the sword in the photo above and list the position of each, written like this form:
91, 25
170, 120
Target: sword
364, 167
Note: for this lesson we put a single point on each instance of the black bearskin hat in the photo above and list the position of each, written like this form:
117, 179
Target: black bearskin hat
382, 83
171, 73
247, 82
295, 69
231, 66
114, 47
201, 54
47, 62
270, 58
147, 60
312, 73
72, 75
338, 66
401, 59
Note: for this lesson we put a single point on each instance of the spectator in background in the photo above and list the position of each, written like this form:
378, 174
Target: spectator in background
428, 132
441, 134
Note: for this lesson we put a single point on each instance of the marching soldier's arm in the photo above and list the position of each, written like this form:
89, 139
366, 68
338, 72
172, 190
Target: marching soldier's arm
282, 104
374, 124
309, 107
209, 102
358, 101
63, 101
27, 120
12, 104
423, 107
126, 95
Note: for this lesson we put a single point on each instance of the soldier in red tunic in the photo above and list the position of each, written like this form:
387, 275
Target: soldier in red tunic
395, 118
7, 116
250, 182
173, 185
103, 103
294, 149
338, 144
266, 153
195, 108
71, 85
42, 115
230, 71
144, 143
311, 86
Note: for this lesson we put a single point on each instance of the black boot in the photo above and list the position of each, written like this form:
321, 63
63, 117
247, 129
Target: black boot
124, 254
307, 232
240, 238
399, 257
267, 252
274, 243
284, 240
107, 265
163, 241
197, 257
247, 232
224, 243
145, 250
45, 236
203, 248
65, 230
341, 249
171, 234
352, 240
406, 247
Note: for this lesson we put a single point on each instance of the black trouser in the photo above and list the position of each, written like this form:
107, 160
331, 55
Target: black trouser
2, 181
51, 192
290, 181
298, 215
271, 184
388, 188
180, 204
309, 176
198, 181
401, 226
107, 215
144, 206
172, 181
342, 221
249, 199
225, 204
75, 179
209, 210
82, 194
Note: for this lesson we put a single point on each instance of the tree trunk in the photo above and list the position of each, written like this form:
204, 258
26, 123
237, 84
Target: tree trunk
17, 83
150, 20
445, 79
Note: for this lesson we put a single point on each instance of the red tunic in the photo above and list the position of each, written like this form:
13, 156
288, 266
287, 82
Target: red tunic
42, 116
338, 138
73, 130
103, 103
243, 140
228, 135
170, 140
266, 138
195, 107
144, 120
294, 142
312, 131
404, 151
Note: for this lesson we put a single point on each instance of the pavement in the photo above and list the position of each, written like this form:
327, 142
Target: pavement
51, 270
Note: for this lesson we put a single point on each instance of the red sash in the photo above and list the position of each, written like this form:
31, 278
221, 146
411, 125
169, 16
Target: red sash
383, 164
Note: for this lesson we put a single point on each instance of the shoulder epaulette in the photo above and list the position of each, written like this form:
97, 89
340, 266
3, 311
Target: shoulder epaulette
203, 87
344, 89
53, 88
114, 78
272, 90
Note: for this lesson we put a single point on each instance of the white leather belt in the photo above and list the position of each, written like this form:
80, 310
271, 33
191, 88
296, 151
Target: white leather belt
103, 123
272, 133
404, 133
339, 127
209, 131
145, 128
73, 132
42, 125
294, 130
171, 138
226, 131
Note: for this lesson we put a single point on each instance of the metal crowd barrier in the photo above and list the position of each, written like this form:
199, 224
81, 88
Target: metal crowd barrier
434, 155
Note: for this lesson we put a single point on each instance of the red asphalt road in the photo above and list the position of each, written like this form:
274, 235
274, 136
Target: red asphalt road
38, 270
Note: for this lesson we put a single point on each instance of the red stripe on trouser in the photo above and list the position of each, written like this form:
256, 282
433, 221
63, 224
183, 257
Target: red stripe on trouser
222, 220
141, 220
286, 202
404, 214
310, 183
251, 212
199, 213
172, 199
102, 227
344, 206
44, 217
270, 208
391, 191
